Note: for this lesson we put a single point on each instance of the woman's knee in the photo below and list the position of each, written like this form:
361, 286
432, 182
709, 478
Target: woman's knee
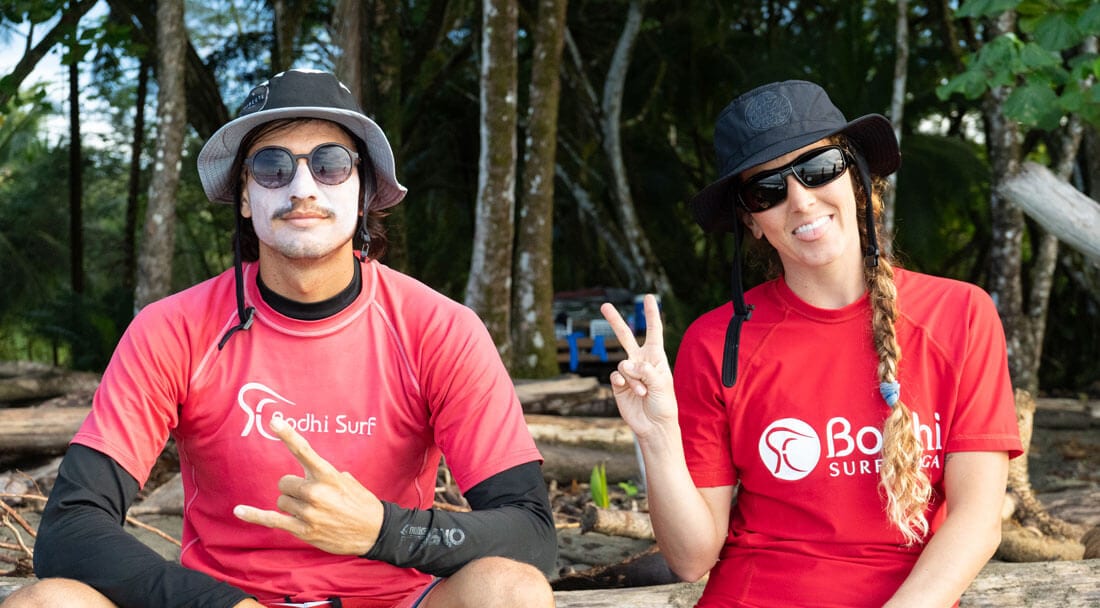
57, 593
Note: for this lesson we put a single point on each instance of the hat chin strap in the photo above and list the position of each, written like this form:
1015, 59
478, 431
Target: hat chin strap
741, 313
245, 315
871, 253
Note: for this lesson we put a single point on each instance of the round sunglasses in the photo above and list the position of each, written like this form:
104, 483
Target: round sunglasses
274, 166
812, 169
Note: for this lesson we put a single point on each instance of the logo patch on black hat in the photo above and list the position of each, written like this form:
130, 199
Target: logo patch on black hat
768, 110
256, 100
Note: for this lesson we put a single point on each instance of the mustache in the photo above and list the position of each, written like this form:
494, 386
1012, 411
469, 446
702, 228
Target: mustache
288, 208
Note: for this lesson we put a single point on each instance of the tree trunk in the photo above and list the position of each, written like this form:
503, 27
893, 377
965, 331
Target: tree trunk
154, 279
897, 110
206, 111
385, 104
489, 286
134, 190
1005, 263
533, 334
288, 22
347, 27
611, 106
76, 172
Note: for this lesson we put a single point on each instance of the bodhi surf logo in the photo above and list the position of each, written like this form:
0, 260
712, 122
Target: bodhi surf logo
262, 405
791, 449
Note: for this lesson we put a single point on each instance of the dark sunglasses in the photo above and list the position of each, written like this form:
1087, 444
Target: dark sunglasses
274, 166
813, 170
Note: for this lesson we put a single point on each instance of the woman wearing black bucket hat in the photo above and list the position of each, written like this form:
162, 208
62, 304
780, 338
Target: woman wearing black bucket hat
311, 392
838, 436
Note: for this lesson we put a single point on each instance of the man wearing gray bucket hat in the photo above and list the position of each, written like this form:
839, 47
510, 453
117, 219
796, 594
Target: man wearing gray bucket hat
863, 478
311, 393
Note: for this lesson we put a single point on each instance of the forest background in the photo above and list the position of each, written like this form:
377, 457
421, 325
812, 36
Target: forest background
548, 146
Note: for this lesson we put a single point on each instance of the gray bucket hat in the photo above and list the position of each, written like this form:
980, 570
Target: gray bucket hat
775, 119
297, 94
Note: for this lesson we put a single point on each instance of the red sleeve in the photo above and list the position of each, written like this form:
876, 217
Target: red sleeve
476, 414
136, 404
704, 421
985, 419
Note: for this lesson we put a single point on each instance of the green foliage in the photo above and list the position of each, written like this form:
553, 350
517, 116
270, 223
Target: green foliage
598, 487
629, 487
1045, 88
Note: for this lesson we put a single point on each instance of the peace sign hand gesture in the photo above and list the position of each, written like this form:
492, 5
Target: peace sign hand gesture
327, 508
642, 384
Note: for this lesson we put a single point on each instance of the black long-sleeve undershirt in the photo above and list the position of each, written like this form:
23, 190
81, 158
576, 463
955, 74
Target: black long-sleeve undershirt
81, 535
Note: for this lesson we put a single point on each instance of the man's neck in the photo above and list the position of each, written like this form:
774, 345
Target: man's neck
307, 280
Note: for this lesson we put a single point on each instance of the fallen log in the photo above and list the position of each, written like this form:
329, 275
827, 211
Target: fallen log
566, 396
39, 430
998, 585
617, 522
26, 382
586, 431
570, 463
642, 570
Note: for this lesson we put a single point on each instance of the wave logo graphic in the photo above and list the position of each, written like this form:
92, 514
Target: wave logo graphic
253, 398
790, 449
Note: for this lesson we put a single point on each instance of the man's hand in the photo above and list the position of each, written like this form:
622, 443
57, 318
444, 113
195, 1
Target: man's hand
328, 509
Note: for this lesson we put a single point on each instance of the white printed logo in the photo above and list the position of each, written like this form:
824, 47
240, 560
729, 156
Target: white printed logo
255, 411
790, 448
261, 404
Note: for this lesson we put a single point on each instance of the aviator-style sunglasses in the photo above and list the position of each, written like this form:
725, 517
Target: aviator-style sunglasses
274, 166
813, 170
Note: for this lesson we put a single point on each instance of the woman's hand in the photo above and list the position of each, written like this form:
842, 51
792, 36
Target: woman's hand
642, 384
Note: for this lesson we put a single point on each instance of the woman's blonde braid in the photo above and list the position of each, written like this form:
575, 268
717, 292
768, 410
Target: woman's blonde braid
902, 480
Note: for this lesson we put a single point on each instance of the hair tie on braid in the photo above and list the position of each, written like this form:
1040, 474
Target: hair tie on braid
891, 391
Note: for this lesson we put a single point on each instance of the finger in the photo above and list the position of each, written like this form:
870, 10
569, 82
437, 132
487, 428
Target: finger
621, 329
292, 485
311, 461
269, 519
635, 376
654, 329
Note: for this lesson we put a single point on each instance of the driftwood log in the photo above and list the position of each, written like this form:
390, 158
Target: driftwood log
43, 430
27, 382
1059, 208
617, 522
999, 585
566, 396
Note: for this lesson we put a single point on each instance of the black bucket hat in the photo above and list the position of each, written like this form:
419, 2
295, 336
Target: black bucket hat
775, 119
297, 94
764, 124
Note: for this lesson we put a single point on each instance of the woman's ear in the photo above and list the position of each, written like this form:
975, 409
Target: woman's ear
753, 227
246, 207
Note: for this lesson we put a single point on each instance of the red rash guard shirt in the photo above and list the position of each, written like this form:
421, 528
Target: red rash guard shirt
381, 390
801, 432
